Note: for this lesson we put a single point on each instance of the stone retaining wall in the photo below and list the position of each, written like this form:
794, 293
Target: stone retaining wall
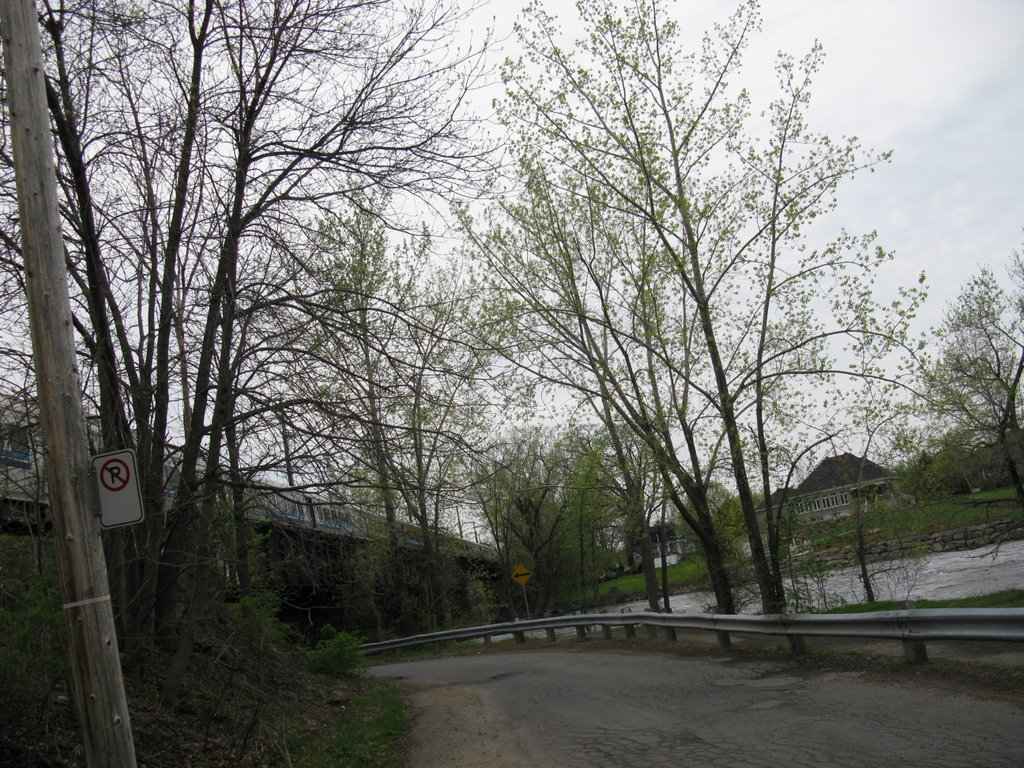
975, 536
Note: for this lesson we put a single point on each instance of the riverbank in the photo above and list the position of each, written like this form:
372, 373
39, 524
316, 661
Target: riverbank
989, 534
932, 576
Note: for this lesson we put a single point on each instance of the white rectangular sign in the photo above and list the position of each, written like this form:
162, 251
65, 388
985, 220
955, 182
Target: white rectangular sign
117, 487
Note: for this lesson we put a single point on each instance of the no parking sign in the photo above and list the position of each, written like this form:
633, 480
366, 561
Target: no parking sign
117, 488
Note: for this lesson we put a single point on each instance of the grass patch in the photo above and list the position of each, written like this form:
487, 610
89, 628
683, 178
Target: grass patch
685, 573
361, 729
1008, 598
968, 509
1006, 493
929, 517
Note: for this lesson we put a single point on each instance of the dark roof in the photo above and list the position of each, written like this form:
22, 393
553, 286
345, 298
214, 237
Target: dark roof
839, 471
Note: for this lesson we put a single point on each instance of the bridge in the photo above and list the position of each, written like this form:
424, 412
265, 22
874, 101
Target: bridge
317, 548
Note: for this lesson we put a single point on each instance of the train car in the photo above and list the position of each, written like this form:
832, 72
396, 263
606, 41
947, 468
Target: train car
279, 506
23, 495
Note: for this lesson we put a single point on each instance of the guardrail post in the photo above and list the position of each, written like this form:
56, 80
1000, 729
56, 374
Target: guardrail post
630, 631
670, 633
551, 634
487, 639
520, 637
724, 639
652, 632
581, 632
797, 643
606, 631
915, 651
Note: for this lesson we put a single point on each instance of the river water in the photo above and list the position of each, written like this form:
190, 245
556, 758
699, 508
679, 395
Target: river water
942, 575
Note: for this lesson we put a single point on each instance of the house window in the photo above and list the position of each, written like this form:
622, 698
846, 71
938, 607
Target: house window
830, 501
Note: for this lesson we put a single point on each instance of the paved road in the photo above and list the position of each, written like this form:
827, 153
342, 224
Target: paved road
612, 708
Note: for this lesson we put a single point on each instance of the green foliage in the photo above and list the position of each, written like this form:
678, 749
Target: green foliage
658, 251
951, 466
1006, 493
727, 513
551, 503
338, 654
808, 588
33, 636
687, 573
481, 600
1008, 598
973, 384
254, 621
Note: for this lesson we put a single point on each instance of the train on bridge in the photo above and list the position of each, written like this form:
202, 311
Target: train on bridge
24, 505
291, 507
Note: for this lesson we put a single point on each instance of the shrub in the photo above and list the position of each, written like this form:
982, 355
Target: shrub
33, 638
338, 654
254, 622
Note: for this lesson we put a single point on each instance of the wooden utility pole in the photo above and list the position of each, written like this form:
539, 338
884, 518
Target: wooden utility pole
99, 687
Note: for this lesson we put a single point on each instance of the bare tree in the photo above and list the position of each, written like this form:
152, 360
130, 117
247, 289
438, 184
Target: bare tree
197, 148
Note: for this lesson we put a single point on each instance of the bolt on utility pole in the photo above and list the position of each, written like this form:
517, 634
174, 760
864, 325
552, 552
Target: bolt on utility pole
96, 667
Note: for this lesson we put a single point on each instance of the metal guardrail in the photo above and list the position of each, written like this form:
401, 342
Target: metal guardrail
913, 627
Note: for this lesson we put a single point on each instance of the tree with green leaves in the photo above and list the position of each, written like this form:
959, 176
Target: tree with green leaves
973, 383
660, 246
594, 513
401, 393
551, 500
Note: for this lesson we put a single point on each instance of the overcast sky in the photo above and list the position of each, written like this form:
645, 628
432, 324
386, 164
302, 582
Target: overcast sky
939, 82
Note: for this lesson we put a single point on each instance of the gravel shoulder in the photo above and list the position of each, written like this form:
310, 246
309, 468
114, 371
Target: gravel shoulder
453, 727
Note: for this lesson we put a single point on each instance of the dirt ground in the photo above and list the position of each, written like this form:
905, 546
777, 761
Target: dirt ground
451, 728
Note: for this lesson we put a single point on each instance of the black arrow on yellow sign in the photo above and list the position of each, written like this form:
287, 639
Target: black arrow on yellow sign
521, 575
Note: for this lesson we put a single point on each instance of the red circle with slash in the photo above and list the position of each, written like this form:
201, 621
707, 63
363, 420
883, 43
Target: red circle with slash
115, 475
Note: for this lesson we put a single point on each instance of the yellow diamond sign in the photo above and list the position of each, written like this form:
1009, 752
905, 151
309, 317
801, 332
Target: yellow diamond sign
521, 575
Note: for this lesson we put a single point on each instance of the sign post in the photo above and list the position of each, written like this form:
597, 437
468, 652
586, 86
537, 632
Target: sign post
521, 575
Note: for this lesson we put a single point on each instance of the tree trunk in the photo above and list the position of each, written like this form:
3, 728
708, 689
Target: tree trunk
649, 570
1013, 452
665, 597
239, 509
861, 549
